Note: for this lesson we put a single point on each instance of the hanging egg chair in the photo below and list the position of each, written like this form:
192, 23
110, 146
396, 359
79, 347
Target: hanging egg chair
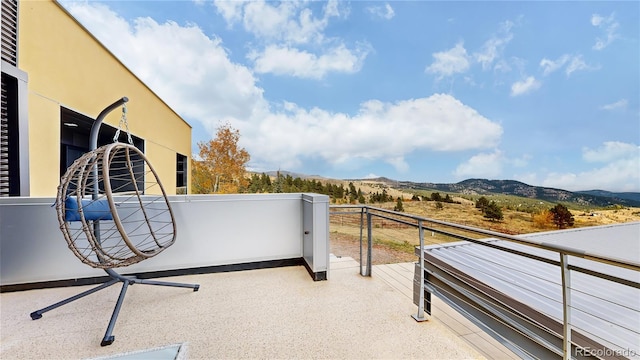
113, 212
112, 208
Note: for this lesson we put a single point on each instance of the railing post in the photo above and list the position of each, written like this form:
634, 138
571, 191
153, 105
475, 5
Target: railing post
361, 229
420, 315
369, 244
566, 306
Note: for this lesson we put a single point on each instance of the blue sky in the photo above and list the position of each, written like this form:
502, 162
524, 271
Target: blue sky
547, 93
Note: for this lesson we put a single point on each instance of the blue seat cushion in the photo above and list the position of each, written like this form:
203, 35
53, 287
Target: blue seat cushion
92, 210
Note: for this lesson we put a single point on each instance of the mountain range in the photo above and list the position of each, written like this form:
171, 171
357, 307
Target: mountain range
516, 188
599, 198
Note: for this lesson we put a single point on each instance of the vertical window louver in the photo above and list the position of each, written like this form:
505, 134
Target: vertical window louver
4, 139
9, 178
10, 31
4, 142
9, 150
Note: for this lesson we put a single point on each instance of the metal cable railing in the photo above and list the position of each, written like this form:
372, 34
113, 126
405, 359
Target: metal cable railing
585, 304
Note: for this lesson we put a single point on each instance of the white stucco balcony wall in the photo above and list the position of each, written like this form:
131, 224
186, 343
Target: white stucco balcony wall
212, 230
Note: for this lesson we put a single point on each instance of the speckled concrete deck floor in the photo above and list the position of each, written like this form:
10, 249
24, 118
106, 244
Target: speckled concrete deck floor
268, 314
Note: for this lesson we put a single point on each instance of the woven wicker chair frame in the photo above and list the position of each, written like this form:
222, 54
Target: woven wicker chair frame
113, 209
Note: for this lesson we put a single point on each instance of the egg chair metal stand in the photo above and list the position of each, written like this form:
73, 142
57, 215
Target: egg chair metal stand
107, 217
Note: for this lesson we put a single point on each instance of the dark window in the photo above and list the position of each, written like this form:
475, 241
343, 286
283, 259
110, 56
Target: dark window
75, 130
9, 138
181, 174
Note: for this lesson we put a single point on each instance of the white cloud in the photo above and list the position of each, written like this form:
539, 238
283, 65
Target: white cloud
370, 176
489, 165
493, 48
577, 64
456, 60
383, 12
277, 22
525, 86
483, 165
303, 64
611, 151
617, 176
609, 25
291, 22
596, 19
469, 80
200, 83
620, 170
379, 131
452, 61
550, 66
204, 84
399, 163
573, 63
502, 66
231, 11
620, 104
333, 8
291, 38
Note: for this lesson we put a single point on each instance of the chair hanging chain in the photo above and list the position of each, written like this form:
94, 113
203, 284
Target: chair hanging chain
123, 120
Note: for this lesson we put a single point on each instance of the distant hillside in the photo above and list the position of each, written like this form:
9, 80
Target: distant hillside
295, 175
516, 188
596, 198
616, 195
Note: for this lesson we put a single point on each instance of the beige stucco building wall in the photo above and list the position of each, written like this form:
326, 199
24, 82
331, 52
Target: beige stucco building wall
67, 67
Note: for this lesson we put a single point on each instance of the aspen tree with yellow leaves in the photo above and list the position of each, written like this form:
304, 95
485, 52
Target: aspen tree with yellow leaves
222, 166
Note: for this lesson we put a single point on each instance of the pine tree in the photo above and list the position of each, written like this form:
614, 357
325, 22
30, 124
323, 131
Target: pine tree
482, 203
562, 217
399, 207
278, 183
353, 194
493, 211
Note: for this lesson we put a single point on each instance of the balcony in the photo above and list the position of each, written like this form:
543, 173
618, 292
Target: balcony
275, 308
264, 313
568, 294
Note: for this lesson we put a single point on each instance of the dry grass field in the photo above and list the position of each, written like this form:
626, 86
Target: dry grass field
394, 242
514, 222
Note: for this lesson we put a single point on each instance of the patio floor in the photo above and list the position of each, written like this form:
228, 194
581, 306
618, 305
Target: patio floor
268, 313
